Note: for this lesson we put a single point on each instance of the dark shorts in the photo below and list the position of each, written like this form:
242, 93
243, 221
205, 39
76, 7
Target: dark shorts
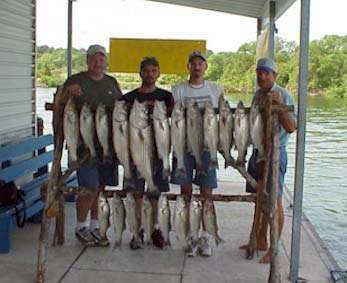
208, 180
137, 183
95, 174
252, 170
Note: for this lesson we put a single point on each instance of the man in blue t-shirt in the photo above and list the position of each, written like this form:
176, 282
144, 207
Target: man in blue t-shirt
266, 72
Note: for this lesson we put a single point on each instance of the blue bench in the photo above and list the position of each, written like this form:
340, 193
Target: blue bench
31, 191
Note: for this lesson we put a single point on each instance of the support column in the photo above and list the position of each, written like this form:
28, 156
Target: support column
300, 140
69, 39
259, 26
272, 13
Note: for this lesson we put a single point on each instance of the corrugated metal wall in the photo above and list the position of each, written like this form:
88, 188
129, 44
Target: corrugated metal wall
17, 69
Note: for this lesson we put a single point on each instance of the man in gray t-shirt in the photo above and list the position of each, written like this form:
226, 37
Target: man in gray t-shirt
93, 86
201, 91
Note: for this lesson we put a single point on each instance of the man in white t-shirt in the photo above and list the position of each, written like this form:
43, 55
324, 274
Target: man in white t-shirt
200, 90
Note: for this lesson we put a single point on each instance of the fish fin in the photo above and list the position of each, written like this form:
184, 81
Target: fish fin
117, 245
176, 124
161, 124
141, 137
121, 130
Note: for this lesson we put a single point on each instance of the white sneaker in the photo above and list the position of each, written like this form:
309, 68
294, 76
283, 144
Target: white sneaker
192, 249
205, 248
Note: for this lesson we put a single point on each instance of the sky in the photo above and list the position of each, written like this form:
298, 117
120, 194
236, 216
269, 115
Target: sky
98, 21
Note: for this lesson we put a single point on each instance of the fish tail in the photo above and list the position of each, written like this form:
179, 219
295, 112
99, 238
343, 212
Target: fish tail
117, 245
219, 240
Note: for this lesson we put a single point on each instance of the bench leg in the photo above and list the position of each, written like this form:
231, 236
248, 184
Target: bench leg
5, 232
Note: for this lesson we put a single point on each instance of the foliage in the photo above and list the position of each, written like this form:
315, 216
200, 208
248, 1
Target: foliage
234, 70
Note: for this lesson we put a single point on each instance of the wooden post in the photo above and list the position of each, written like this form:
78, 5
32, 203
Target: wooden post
275, 275
262, 183
51, 204
41, 254
59, 233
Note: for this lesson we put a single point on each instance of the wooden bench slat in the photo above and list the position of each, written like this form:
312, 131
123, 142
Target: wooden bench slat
30, 210
27, 166
28, 202
37, 182
11, 151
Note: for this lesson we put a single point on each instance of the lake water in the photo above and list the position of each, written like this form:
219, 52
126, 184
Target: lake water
325, 187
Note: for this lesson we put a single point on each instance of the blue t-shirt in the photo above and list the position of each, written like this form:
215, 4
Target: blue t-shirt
287, 100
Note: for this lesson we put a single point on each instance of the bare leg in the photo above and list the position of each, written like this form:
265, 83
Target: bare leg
280, 217
83, 204
257, 220
138, 205
262, 236
186, 191
94, 210
206, 193
154, 203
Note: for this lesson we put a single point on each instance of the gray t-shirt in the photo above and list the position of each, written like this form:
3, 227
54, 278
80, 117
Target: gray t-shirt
208, 92
94, 92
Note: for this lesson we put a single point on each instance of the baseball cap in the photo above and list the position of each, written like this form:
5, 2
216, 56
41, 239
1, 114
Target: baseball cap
267, 64
95, 48
195, 54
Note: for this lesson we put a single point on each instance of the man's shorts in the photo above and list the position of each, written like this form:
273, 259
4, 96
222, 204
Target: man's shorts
137, 183
252, 170
208, 180
95, 174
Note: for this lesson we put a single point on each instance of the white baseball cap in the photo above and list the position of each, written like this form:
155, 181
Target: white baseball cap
267, 64
95, 48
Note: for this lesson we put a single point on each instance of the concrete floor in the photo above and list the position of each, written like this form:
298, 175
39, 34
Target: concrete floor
74, 263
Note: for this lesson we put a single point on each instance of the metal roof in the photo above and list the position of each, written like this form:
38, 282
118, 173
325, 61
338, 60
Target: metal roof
248, 8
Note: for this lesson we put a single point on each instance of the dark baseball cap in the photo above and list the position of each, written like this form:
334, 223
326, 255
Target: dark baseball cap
196, 54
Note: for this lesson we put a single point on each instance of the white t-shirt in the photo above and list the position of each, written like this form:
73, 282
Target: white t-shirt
208, 92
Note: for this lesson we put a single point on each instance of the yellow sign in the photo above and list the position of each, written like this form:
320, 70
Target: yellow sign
126, 54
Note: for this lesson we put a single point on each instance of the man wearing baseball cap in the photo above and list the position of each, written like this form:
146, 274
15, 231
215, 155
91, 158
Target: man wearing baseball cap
93, 86
148, 93
201, 91
266, 72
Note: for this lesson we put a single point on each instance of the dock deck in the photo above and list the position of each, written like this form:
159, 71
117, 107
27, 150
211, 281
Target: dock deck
74, 263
